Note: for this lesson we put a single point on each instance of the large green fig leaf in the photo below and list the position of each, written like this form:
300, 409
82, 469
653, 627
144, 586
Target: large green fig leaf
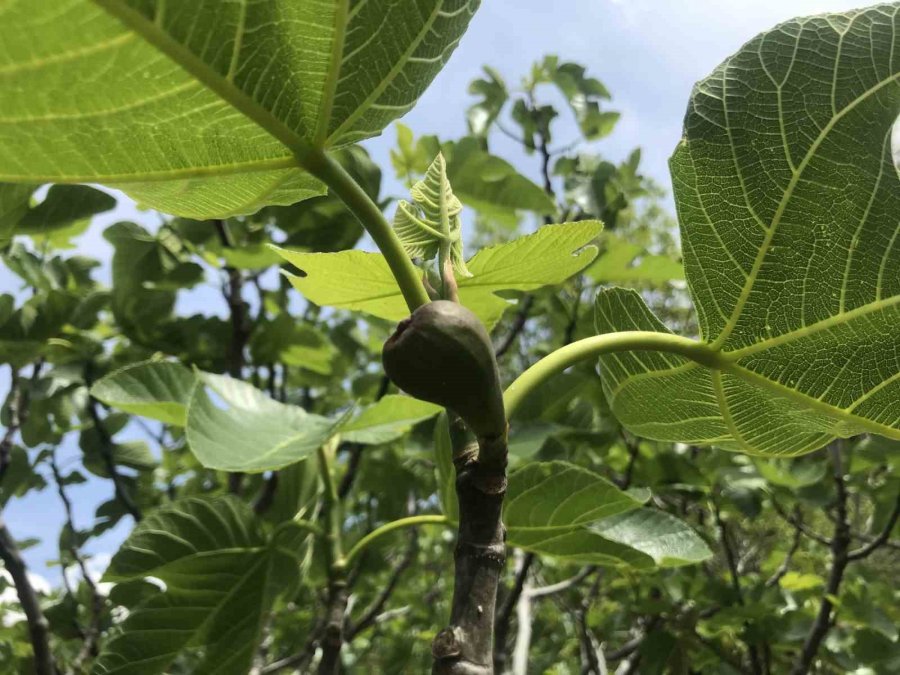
204, 109
788, 197
221, 575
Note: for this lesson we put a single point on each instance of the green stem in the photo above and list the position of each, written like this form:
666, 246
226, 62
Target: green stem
411, 521
592, 347
310, 527
326, 169
332, 514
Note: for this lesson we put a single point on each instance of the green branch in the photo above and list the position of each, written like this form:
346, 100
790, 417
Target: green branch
326, 169
593, 347
332, 513
412, 521
310, 527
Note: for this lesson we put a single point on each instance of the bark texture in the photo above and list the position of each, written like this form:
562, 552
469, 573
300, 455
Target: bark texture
465, 647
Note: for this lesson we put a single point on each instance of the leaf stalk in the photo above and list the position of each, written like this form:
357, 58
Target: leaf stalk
330, 172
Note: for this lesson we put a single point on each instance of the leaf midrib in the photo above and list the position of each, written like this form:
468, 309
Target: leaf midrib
341, 19
813, 328
255, 166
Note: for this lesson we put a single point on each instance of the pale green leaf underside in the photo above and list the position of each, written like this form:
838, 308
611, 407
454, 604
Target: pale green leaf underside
788, 199
203, 108
641, 539
254, 433
565, 511
159, 390
544, 497
361, 281
388, 419
220, 576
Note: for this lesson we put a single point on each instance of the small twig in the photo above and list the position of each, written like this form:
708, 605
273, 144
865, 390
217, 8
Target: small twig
840, 543
798, 524
786, 563
38, 626
592, 659
267, 495
371, 614
634, 643
15, 411
566, 584
240, 331
91, 636
356, 449
731, 560
572, 325
301, 659
510, 134
633, 451
881, 539
505, 610
525, 305
106, 454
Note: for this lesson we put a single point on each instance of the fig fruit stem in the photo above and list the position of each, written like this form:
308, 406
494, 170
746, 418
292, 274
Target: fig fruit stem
327, 170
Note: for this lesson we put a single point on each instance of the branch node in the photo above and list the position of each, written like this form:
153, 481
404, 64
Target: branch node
447, 644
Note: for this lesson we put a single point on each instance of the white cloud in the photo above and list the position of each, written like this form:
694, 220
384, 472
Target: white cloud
9, 596
96, 566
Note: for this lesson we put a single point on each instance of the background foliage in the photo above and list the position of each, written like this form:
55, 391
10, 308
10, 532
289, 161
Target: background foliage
631, 554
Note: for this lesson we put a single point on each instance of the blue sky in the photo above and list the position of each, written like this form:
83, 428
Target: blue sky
649, 53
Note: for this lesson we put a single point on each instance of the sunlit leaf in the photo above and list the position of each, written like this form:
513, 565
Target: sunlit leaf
546, 498
622, 261
236, 427
159, 390
363, 282
787, 195
196, 113
388, 419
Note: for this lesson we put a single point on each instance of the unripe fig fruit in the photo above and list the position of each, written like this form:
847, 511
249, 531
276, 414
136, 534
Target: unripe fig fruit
443, 354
